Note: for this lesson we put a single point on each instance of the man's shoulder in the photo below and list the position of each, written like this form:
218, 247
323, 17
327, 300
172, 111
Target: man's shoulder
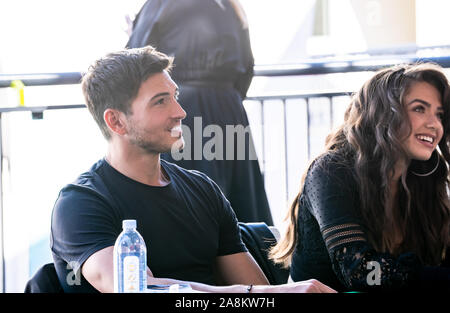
87, 193
89, 182
90, 176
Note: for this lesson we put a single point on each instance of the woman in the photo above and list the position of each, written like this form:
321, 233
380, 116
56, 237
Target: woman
213, 69
373, 210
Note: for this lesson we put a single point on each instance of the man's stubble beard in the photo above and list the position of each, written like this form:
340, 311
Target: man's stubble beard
138, 139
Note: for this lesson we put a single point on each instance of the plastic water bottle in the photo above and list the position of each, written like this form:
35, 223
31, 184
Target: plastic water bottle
130, 260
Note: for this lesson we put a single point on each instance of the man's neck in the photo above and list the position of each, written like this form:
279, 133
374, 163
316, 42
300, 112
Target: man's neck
142, 167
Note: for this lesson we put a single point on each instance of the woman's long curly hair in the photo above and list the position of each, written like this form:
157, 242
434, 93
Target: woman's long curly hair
375, 124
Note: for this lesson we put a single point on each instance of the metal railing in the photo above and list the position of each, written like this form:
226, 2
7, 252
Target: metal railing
329, 95
309, 67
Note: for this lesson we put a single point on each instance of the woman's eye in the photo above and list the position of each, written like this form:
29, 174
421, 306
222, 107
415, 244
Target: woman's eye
440, 116
419, 109
160, 101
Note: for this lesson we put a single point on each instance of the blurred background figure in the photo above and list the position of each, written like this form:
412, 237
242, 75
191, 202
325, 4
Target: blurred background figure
213, 69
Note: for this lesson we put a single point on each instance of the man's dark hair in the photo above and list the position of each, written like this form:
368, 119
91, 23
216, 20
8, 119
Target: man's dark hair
113, 81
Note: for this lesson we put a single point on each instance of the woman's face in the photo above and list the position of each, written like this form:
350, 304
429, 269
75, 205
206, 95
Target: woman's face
424, 106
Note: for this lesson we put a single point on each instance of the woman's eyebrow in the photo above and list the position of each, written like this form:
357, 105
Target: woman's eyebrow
421, 101
427, 104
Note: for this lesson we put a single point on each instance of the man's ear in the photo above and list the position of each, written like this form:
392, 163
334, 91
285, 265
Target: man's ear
115, 120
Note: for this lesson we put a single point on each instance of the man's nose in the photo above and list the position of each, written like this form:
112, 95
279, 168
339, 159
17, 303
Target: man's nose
179, 113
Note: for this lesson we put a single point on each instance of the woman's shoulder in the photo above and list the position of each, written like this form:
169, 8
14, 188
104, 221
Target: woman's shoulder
331, 165
332, 160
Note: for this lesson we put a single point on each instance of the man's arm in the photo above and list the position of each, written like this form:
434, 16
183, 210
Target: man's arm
98, 271
236, 268
240, 268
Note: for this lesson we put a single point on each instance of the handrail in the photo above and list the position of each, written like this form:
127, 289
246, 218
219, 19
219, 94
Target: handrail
307, 67
41, 79
345, 65
39, 109
304, 95
395, 50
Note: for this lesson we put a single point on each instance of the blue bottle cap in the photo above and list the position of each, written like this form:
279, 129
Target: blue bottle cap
127, 224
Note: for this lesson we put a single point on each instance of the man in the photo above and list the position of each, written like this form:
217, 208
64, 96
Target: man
189, 228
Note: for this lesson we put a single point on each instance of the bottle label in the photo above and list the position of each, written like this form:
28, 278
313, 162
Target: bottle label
131, 274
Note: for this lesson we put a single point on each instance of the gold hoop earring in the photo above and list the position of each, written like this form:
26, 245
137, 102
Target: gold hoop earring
430, 172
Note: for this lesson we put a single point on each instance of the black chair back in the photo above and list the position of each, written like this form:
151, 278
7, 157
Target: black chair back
44, 281
259, 239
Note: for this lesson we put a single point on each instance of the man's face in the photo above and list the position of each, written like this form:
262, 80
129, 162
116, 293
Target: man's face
154, 124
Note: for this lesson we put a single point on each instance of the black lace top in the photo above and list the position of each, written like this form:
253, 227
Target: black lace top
333, 246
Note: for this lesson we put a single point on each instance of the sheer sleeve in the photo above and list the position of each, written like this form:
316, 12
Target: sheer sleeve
331, 192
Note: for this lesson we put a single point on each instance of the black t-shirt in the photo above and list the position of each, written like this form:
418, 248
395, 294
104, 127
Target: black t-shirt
185, 225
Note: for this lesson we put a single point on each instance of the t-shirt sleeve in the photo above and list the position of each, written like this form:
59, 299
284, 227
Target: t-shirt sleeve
330, 190
230, 240
82, 224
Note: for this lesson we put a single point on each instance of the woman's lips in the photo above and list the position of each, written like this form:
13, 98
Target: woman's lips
427, 144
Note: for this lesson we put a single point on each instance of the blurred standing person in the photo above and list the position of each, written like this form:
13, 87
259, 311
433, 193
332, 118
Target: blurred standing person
213, 68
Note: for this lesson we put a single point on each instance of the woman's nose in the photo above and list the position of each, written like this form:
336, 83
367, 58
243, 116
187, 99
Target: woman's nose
433, 122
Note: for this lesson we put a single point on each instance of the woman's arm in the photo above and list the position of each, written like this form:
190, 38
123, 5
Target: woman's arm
332, 198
